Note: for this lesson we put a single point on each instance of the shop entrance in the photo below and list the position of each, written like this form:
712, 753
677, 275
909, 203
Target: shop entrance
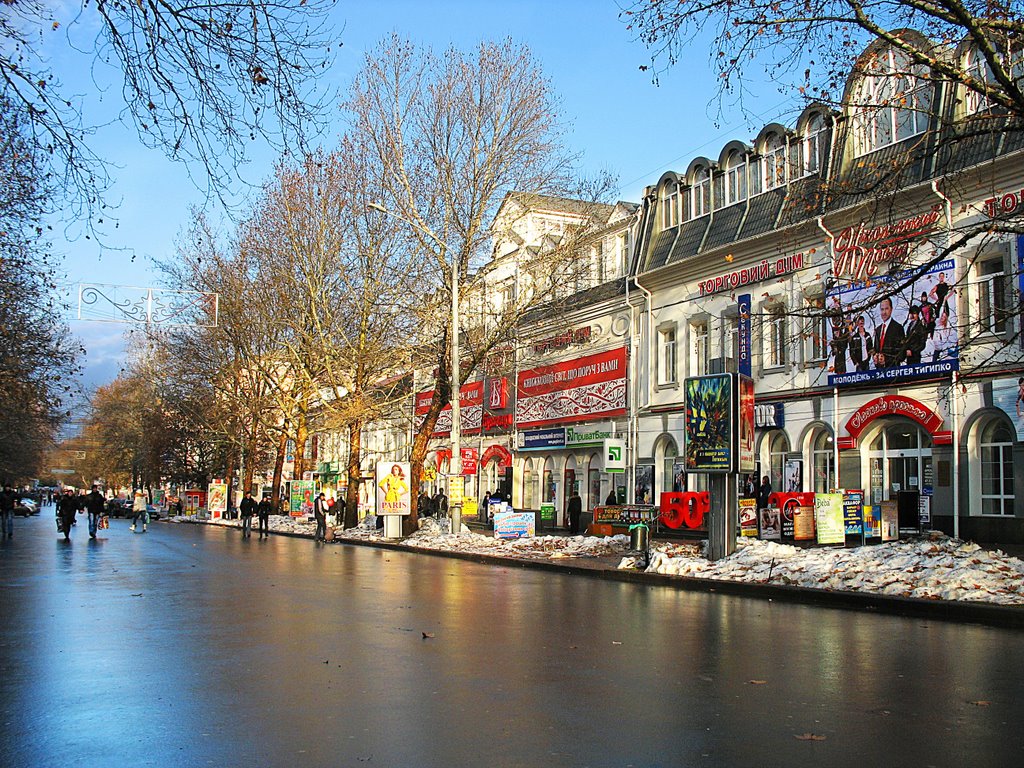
899, 462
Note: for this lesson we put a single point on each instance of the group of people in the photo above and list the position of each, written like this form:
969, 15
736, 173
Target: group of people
926, 336
262, 511
429, 507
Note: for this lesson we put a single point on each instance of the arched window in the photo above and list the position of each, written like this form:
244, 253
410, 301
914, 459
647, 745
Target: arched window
668, 453
670, 206
735, 178
823, 461
996, 450
700, 193
893, 102
814, 144
778, 447
974, 64
773, 161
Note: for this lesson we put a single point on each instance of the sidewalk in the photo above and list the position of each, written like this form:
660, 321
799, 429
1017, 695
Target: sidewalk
746, 574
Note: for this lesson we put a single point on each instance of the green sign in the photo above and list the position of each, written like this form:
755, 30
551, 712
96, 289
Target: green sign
547, 513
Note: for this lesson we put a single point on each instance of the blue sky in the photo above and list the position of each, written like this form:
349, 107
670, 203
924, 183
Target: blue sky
620, 121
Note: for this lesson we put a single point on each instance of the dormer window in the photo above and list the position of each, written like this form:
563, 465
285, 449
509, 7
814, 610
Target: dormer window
976, 66
814, 144
773, 162
700, 193
670, 207
735, 178
893, 102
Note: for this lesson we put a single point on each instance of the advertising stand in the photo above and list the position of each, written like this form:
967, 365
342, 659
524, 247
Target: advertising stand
719, 441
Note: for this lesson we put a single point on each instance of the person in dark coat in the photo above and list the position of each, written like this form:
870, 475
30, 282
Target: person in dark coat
320, 513
67, 508
611, 498
440, 504
94, 505
263, 514
861, 346
8, 500
916, 336
248, 509
575, 509
889, 349
764, 492
424, 506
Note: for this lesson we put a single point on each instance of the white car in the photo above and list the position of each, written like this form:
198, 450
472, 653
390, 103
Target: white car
26, 507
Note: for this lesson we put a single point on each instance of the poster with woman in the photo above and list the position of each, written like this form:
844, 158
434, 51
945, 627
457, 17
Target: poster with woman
392, 483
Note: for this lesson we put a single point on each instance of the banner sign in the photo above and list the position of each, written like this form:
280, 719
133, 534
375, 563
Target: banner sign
391, 481
469, 460
745, 423
708, 423
743, 307
514, 525
894, 327
573, 390
540, 439
471, 402
828, 518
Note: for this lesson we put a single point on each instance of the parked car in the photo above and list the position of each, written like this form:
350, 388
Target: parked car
26, 507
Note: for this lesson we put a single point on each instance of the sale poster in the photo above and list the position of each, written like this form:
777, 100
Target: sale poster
872, 521
853, 514
769, 523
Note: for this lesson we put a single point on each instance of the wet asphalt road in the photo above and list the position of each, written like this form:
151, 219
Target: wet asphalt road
188, 646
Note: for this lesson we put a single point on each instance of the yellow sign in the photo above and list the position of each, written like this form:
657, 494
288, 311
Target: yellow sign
456, 486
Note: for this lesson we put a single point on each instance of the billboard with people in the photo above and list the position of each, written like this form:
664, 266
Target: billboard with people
894, 327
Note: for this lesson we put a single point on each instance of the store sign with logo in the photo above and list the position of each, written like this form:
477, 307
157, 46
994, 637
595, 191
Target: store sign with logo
580, 438
586, 388
541, 439
769, 415
764, 270
614, 455
470, 409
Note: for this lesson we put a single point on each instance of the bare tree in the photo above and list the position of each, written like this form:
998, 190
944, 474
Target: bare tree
38, 360
198, 81
454, 134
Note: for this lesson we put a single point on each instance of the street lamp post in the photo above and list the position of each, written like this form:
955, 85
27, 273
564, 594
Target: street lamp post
455, 465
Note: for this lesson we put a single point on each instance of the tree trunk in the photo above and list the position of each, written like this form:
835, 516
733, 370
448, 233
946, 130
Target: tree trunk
251, 449
229, 476
282, 449
355, 431
420, 443
301, 433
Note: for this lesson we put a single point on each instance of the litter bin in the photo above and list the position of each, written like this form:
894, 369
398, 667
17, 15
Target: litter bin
640, 543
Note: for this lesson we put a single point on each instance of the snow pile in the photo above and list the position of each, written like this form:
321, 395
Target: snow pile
935, 567
932, 567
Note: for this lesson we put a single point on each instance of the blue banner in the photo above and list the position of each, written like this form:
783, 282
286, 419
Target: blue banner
539, 439
744, 333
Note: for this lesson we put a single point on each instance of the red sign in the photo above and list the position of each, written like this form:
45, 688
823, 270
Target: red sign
498, 453
497, 393
469, 457
471, 398
858, 251
892, 405
591, 387
758, 273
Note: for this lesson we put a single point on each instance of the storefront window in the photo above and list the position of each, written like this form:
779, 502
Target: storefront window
996, 447
549, 485
668, 463
823, 460
777, 450
593, 483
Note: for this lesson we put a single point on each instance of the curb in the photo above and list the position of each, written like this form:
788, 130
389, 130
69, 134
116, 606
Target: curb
990, 614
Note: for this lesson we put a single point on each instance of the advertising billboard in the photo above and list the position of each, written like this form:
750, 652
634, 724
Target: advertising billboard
585, 388
708, 429
392, 484
894, 327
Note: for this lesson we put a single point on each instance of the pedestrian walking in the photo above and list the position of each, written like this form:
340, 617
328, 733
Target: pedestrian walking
94, 506
320, 513
440, 503
67, 508
263, 514
8, 499
139, 511
248, 509
575, 509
